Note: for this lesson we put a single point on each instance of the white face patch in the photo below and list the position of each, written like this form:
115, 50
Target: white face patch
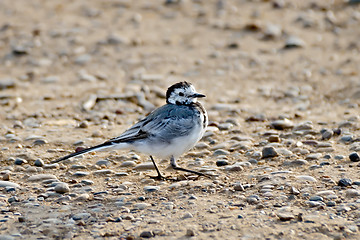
183, 95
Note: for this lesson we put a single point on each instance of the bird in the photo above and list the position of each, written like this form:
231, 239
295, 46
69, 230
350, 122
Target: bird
167, 132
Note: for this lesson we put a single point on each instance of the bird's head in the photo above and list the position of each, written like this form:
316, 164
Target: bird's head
182, 93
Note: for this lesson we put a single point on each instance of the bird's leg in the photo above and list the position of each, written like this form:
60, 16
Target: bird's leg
159, 176
174, 166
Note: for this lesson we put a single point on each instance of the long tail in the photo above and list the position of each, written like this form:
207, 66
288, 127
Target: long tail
87, 150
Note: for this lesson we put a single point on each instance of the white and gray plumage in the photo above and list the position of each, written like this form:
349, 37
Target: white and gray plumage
167, 132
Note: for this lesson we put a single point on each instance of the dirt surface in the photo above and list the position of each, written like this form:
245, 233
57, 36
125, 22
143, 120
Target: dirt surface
282, 86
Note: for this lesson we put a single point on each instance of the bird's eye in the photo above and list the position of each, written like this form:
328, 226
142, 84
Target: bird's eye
181, 94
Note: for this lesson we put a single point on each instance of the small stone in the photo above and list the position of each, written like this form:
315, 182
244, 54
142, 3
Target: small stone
346, 139
103, 163
220, 152
81, 216
344, 182
313, 156
128, 164
274, 138
284, 216
272, 31
39, 142
222, 162
62, 188
50, 79
350, 193
316, 198
225, 126
306, 178
9, 184
7, 83
51, 166
282, 124
19, 161
325, 193
144, 166
234, 168
39, 163
187, 215
252, 199
189, 233
147, 234
41, 177
331, 204
268, 152
297, 162
239, 187
141, 206
82, 59
354, 157
80, 174
84, 124
103, 172
294, 42
326, 134
151, 188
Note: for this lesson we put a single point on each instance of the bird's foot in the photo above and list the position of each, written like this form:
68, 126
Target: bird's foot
191, 171
162, 178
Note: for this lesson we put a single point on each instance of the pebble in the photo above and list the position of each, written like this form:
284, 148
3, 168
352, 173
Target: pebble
354, 157
220, 152
6, 237
81, 216
346, 139
9, 184
239, 187
144, 166
187, 215
103, 163
282, 124
313, 156
294, 42
19, 161
7, 83
103, 172
141, 206
306, 178
82, 59
325, 193
190, 233
62, 188
326, 134
344, 182
268, 152
316, 198
297, 162
234, 168
80, 174
151, 188
350, 193
41, 177
147, 234
285, 216
222, 162
50, 79
272, 31
51, 166
128, 164
39, 163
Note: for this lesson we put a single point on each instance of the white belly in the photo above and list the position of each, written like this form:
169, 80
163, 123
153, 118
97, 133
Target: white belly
176, 148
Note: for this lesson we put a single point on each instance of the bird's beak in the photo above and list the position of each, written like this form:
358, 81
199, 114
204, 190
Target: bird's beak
198, 95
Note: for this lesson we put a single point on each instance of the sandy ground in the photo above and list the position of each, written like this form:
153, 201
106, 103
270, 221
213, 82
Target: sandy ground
76, 73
